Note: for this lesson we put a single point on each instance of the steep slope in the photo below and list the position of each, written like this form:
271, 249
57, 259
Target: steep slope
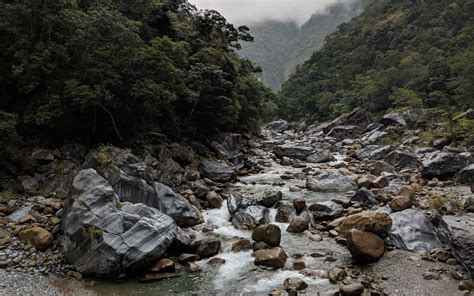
279, 47
397, 53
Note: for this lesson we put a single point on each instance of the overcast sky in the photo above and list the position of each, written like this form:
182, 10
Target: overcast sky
252, 11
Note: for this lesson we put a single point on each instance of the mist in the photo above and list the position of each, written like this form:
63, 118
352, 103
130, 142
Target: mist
254, 11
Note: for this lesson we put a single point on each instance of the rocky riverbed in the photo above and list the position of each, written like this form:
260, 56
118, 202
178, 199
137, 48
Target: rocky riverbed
321, 210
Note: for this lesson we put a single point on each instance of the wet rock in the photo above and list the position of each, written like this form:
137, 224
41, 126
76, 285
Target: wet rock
364, 246
294, 284
393, 118
299, 264
184, 258
441, 163
285, 213
106, 238
342, 132
216, 261
366, 181
298, 225
400, 203
163, 265
275, 258
330, 182
38, 237
355, 289
458, 233
199, 189
321, 156
403, 159
207, 247
214, 200
336, 274
245, 212
269, 234
413, 231
365, 197
270, 197
375, 222
292, 151
241, 245
260, 246
299, 204
217, 171
326, 210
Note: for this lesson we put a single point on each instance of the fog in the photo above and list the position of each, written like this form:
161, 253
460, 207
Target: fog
253, 11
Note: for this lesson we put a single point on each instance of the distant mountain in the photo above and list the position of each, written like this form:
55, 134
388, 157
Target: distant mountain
280, 47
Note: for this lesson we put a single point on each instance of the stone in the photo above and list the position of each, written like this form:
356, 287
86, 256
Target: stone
28, 184
466, 175
106, 238
270, 197
442, 163
5, 237
321, 156
336, 274
466, 285
184, 258
207, 247
400, 203
217, 171
214, 200
285, 213
241, 245
269, 234
278, 126
298, 225
365, 197
364, 246
216, 261
43, 156
374, 152
330, 182
299, 204
355, 289
413, 231
274, 258
366, 181
246, 213
163, 265
260, 246
342, 132
469, 204
403, 159
299, 264
294, 284
393, 118
38, 237
375, 222
325, 210
380, 182
293, 151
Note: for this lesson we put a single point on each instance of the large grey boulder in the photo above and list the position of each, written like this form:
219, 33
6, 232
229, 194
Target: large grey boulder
443, 163
393, 118
278, 126
246, 213
217, 171
458, 233
106, 238
293, 151
321, 156
330, 182
466, 175
342, 132
374, 152
413, 231
325, 210
403, 159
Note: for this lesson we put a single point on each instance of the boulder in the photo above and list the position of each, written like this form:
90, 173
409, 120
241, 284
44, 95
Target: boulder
269, 234
285, 213
403, 159
325, 210
181, 154
466, 175
400, 203
342, 132
246, 213
355, 289
321, 156
380, 182
274, 258
207, 247
336, 274
294, 284
358, 117
270, 197
38, 237
330, 182
469, 204
413, 231
373, 136
43, 156
241, 245
442, 163
278, 126
27, 184
365, 197
106, 238
365, 247
393, 118
216, 171
214, 200
298, 225
375, 222
374, 152
458, 233
299, 204
169, 172
163, 265
293, 151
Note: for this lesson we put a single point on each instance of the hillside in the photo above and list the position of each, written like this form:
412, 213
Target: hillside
279, 47
396, 54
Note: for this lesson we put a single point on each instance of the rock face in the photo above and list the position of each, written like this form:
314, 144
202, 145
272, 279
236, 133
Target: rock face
217, 171
375, 222
441, 163
292, 151
413, 231
275, 258
364, 246
38, 237
246, 213
330, 182
269, 234
106, 238
458, 233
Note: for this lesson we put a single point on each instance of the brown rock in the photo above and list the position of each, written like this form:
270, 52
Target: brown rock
366, 181
294, 284
268, 233
241, 245
214, 200
365, 247
406, 191
351, 290
380, 182
39, 237
378, 223
299, 204
298, 225
216, 261
336, 274
183, 258
5, 237
163, 265
400, 203
275, 258
299, 264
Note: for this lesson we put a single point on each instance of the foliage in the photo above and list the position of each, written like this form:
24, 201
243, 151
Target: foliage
396, 53
6, 195
106, 71
9, 137
103, 158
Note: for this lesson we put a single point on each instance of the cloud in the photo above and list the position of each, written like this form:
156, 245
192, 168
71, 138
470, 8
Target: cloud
253, 11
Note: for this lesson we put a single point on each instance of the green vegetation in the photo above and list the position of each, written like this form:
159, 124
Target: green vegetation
438, 202
94, 231
6, 195
119, 205
104, 158
104, 71
395, 54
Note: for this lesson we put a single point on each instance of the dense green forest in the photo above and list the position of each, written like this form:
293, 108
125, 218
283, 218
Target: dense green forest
395, 54
279, 47
103, 71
